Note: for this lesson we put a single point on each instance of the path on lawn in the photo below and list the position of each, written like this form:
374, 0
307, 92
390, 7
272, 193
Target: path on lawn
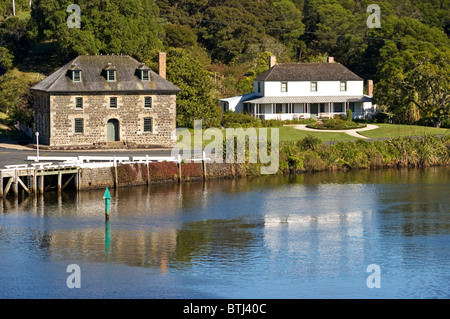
352, 132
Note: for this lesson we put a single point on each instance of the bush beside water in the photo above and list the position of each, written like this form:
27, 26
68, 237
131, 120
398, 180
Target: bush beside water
310, 155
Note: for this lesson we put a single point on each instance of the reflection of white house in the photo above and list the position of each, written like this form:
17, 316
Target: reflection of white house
304, 90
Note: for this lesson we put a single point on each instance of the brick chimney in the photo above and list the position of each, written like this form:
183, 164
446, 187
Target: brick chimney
272, 61
330, 59
370, 87
162, 64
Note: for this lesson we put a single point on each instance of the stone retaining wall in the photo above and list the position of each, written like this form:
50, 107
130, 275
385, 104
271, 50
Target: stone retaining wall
161, 172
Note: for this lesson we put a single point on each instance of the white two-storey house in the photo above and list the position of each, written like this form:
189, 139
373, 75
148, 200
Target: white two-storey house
304, 90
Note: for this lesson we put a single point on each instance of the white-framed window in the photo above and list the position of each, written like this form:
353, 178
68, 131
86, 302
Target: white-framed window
343, 85
313, 86
147, 102
78, 102
148, 124
322, 107
113, 102
76, 76
259, 87
79, 126
111, 75
284, 86
338, 107
145, 75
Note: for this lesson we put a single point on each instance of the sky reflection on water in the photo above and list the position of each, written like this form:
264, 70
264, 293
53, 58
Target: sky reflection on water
309, 236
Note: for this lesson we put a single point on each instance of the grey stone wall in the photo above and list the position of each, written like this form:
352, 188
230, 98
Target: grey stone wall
96, 112
92, 178
42, 116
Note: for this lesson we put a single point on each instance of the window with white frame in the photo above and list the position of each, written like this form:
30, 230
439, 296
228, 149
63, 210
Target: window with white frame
313, 86
343, 85
145, 75
284, 86
111, 75
338, 107
76, 76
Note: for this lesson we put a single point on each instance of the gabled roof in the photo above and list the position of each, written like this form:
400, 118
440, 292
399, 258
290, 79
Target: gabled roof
308, 72
93, 80
241, 98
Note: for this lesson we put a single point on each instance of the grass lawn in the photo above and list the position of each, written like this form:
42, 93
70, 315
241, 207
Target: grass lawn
290, 134
397, 130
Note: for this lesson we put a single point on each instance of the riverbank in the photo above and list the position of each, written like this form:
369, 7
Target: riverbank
306, 155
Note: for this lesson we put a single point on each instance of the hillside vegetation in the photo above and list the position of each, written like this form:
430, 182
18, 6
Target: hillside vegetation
216, 48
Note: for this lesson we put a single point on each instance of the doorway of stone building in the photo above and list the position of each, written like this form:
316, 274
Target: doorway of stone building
112, 131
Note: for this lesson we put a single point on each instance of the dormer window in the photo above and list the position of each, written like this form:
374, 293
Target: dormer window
110, 73
145, 75
144, 72
76, 76
75, 73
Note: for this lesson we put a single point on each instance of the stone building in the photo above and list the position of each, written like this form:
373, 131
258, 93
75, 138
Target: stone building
105, 101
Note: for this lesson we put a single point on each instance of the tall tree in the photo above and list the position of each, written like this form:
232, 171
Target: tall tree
196, 101
107, 27
416, 83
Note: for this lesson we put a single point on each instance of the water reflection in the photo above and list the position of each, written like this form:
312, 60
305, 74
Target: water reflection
305, 226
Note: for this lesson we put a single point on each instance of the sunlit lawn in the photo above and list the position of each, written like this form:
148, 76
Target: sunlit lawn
290, 134
397, 130
286, 134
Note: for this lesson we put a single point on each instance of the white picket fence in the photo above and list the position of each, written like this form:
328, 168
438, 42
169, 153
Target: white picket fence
100, 161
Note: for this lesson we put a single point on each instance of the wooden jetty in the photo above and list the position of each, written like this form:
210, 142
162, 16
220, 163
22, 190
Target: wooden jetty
32, 178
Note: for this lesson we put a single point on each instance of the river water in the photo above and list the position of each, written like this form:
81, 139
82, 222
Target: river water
305, 236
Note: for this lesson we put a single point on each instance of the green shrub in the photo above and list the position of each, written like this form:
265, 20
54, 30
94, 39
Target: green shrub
271, 123
235, 120
380, 117
309, 142
349, 114
445, 122
335, 124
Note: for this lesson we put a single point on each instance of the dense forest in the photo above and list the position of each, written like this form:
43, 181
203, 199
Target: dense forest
216, 48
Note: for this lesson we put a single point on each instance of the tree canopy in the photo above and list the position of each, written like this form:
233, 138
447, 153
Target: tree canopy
407, 57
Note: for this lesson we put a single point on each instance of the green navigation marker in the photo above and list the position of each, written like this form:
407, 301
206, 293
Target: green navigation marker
107, 197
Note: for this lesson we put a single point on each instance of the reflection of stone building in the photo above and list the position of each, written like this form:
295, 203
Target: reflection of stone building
93, 100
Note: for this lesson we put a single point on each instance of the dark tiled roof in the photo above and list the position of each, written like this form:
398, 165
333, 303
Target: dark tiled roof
308, 72
93, 80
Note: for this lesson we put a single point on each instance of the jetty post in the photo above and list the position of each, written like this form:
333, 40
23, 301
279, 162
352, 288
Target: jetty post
15, 184
1, 184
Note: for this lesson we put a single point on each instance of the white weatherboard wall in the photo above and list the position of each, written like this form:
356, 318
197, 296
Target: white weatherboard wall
303, 88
